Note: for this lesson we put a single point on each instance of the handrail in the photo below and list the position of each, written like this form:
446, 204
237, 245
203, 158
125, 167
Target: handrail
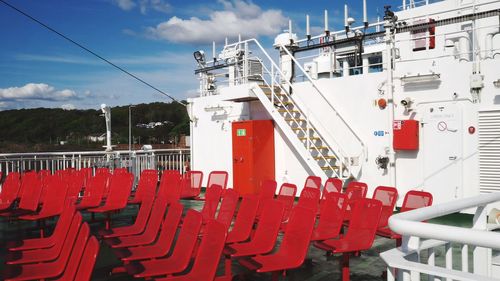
61, 153
410, 223
315, 86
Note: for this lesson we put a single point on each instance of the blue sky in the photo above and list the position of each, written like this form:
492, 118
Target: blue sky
153, 39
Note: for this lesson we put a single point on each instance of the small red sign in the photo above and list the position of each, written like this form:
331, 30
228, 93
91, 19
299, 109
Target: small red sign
472, 130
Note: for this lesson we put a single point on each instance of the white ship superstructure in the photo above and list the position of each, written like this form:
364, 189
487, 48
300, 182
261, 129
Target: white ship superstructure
412, 101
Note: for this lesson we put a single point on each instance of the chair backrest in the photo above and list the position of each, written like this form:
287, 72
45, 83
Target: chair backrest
55, 196
87, 174
331, 216
87, 261
102, 170
187, 238
415, 199
332, 185
356, 190
76, 181
244, 219
76, 255
313, 181
191, 183
212, 198
228, 207
267, 192
170, 187
44, 173
117, 171
266, 231
297, 235
76, 244
119, 190
286, 195
309, 198
209, 253
218, 178
388, 197
363, 224
31, 186
64, 221
10, 187
146, 186
94, 191
169, 226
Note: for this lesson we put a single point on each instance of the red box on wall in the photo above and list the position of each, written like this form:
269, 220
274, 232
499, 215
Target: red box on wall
253, 154
405, 134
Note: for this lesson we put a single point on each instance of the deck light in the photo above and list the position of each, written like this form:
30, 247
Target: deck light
199, 56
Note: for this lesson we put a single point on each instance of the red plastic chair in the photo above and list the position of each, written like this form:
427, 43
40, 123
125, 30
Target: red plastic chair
413, 200
309, 199
212, 198
313, 182
119, 192
82, 261
49, 269
150, 232
146, 188
208, 256
244, 219
118, 171
265, 234
293, 248
267, 192
134, 229
94, 192
87, 174
10, 190
287, 197
191, 184
360, 234
331, 217
166, 238
180, 257
102, 170
227, 208
332, 185
388, 197
31, 189
170, 187
76, 182
53, 205
356, 190
217, 178
46, 254
60, 230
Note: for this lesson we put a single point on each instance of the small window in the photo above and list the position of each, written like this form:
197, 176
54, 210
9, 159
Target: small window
355, 65
375, 63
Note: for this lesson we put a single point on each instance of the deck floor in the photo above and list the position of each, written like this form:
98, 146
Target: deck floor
368, 266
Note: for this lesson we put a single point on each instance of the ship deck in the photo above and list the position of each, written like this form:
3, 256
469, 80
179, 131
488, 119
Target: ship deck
368, 266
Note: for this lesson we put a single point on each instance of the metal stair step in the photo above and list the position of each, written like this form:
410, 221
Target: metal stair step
330, 168
295, 119
310, 138
324, 157
318, 147
283, 110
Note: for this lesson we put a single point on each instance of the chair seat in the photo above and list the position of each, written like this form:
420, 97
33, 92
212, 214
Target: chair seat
154, 267
388, 233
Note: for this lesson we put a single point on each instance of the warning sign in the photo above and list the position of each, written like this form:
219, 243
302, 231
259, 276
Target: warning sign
397, 124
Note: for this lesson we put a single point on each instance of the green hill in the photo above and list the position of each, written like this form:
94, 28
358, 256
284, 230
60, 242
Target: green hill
42, 129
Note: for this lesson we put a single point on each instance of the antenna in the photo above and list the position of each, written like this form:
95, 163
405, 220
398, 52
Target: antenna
365, 15
327, 31
290, 30
308, 31
213, 51
346, 24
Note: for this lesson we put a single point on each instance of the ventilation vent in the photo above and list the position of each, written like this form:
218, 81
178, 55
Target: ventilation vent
489, 151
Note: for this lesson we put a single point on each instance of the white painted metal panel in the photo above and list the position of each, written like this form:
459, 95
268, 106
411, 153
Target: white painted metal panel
489, 150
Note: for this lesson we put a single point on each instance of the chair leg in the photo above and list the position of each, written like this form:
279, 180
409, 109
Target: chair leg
345, 267
275, 275
399, 242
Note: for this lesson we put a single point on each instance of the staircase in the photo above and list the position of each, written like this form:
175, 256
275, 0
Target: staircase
306, 136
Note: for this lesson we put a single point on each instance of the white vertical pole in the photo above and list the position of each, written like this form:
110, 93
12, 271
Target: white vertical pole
326, 20
365, 15
308, 31
290, 29
225, 42
346, 25
213, 50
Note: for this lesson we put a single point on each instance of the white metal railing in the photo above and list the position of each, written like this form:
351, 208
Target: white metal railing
135, 161
422, 242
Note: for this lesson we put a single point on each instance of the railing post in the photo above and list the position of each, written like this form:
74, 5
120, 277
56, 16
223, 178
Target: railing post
449, 257
481, 256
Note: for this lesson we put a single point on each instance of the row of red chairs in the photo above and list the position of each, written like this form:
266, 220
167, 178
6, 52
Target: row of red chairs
68, 254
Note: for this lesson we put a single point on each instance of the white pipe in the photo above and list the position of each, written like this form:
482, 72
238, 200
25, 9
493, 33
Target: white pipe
326, 20
213, 50
308, 31
365, 15
290, 29
225, 42
345, 16
410, 223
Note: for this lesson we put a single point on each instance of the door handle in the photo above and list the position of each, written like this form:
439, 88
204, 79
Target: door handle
452, 158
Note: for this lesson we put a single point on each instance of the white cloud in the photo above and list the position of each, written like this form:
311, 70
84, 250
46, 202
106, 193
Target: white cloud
68, 106
33, 91
237, 17
144, 5
126, 5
